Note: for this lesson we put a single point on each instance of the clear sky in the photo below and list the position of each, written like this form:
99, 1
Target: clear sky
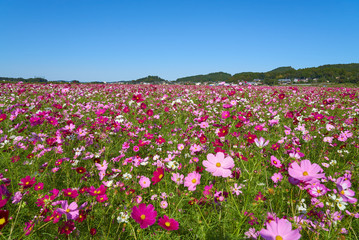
104, 40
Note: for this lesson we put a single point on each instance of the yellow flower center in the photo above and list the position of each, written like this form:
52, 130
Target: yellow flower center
342, 192
194, 180
278, 237
160, 176
167, 224
143, 216
305, 173
67, 210
218, 164
27, 183
275, 162
2, 221
319, 191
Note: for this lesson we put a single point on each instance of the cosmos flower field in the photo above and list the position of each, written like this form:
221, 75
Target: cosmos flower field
178, 162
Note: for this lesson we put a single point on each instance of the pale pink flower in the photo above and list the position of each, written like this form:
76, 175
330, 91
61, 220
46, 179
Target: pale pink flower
192, 180
277, 177
203, 125
306, 172
280, 229
330, 127
103, 166
219, 165
180, 146
177, 178
344, 190
163, 204
145, 182
261, 143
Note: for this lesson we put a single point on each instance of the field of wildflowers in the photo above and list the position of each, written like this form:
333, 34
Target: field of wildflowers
178, 162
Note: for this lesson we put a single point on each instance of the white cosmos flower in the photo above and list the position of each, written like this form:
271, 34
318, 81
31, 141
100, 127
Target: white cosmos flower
122, 218
127, 176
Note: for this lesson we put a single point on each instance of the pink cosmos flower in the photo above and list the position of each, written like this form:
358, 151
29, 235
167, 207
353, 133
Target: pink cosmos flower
177, 178
236, 189
145, 182
180, 147
192, 180
102, 174
102, 167
317, 190
144, 215
168, 223
277, 177
344, 191
195, 148
342, 137
136, 148
280, 230
204, 125
329, 127
71, 211
219, 165
163, 204
261, 143
207, 190
275, 162
306, 172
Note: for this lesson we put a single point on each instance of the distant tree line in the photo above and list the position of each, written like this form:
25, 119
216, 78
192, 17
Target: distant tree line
27, 80
336, 73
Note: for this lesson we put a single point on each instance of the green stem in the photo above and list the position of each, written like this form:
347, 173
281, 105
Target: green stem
109, 228
133, 229
12, 226
202, 215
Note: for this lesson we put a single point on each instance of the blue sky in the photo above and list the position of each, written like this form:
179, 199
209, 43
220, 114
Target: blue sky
104, 40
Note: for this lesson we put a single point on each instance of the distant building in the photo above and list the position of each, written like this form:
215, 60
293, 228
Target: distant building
284, 81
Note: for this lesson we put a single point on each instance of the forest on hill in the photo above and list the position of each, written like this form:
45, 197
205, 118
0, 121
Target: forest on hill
334, 73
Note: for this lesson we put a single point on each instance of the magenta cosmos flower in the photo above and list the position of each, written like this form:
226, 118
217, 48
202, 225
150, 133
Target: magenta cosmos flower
144, 215
280, 230
219, 165
192, 180
306, 172
168, 223
27, 182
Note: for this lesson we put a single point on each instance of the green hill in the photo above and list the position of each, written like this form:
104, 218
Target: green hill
211, 77
281, 69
